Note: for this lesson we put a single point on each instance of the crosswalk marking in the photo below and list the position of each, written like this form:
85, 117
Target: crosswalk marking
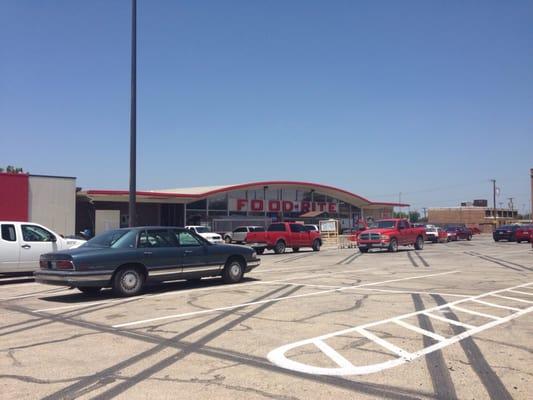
346, 367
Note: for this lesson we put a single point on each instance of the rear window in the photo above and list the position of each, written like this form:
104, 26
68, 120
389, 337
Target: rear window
508, 227
240, 230
120, 238
296, 228
8, 233
276, 228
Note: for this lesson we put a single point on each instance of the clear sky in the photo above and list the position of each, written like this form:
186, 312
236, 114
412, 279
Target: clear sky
428, 98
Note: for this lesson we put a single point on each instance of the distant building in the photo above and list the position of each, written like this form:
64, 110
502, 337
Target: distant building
479, 217
43, 199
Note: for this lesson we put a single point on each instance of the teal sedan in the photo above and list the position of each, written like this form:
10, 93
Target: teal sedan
126, 259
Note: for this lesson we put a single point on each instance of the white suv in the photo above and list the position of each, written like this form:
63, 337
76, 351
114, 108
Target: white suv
239, 234
204, 232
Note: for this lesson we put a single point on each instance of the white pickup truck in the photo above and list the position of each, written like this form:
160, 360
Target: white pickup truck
22, 243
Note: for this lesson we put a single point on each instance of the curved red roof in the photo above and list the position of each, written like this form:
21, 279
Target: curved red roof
199, 193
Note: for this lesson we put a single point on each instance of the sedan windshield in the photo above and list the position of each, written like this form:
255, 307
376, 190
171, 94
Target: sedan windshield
383, 224
114, 239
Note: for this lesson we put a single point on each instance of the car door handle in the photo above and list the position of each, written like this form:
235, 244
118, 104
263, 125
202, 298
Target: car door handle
148, 253
188, 251
26, 246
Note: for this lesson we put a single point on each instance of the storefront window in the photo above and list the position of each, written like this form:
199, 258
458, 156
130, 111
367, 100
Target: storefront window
218, 202
197, 205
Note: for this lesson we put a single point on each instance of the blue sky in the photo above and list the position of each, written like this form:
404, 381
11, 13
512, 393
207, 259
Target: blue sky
428, 98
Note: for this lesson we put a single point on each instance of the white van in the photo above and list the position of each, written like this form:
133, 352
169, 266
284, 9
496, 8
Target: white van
22, 243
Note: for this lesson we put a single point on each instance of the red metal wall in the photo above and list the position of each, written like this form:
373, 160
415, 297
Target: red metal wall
14, 197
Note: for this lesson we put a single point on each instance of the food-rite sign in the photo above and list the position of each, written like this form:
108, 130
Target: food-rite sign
285, 206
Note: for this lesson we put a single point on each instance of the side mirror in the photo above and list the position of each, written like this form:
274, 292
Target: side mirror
53, 238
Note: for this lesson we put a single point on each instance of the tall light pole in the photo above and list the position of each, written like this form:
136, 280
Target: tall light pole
494, 197
133, 116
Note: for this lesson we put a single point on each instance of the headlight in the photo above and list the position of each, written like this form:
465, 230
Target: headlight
384, 237
254, 254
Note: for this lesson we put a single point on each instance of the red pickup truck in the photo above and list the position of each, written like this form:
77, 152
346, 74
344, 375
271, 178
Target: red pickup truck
281, 235
391, 233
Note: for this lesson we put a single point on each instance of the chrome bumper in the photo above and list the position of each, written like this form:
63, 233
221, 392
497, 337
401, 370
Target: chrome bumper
73, 278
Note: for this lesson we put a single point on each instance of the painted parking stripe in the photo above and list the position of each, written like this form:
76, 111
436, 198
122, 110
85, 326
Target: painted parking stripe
188, 314
487, 303
513, 299
448, 320
424, 332
278, 357
179, 292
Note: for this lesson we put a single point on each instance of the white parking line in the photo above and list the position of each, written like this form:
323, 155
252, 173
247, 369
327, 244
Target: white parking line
278, 357
415, 292
188, 314
180, 292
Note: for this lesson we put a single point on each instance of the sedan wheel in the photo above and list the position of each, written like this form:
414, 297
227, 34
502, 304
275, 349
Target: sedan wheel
233, 271
128, 282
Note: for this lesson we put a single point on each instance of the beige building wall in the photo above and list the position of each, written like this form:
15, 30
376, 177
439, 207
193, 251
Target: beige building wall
461, 215
52, 203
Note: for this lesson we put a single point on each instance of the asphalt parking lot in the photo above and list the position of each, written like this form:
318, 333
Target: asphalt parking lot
451, 321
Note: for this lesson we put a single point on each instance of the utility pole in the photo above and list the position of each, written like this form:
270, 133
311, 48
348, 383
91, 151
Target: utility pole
511, 205
531, 197
494, 197
424, 209
133, 117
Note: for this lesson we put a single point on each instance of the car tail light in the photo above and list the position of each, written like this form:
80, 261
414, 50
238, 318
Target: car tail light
64, 264
43, 264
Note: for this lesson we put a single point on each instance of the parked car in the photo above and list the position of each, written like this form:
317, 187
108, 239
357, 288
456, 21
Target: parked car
281, 235
353, 233
436, 234
126, 259
452, 234
431, 233
311, 227
523, 233
204, 232
389, 234
22, 243
505, 232
459, 232
239, 234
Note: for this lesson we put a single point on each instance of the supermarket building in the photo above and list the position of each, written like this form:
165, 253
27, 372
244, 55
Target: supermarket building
223, 208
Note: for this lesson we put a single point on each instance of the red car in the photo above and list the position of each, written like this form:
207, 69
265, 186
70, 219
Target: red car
523, 233
458, 232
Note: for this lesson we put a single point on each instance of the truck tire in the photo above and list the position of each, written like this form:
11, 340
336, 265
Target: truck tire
469, 237
227, 239
363, 249
233, 271
280, 247
128, 281
316, 245
260, 251
393, 245
419, 243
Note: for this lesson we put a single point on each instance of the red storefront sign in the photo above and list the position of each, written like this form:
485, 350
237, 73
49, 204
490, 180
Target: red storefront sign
285, 206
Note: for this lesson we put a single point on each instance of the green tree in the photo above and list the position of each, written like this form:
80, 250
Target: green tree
414, 216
